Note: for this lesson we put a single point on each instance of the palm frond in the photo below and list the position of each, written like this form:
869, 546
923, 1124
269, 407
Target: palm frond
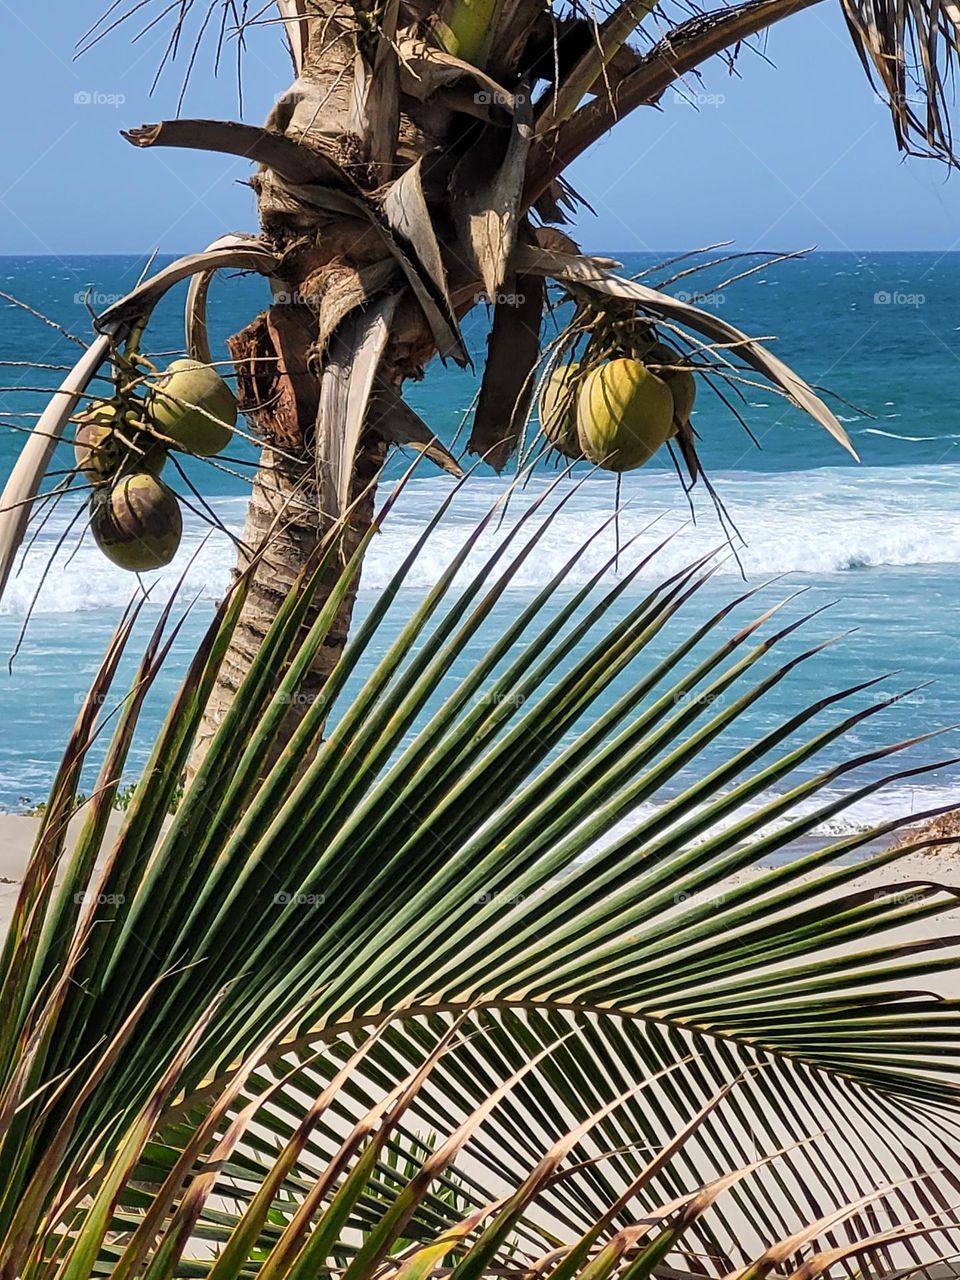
909, 52
468, 984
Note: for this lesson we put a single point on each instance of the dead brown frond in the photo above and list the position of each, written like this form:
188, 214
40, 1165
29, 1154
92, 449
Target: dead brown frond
910, 55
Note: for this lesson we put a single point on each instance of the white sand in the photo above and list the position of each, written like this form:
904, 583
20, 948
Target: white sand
17, 835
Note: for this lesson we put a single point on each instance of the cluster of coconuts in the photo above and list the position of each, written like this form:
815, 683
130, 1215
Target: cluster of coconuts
121, 447
619, 413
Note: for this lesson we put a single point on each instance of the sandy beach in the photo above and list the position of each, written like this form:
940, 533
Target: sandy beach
17, 833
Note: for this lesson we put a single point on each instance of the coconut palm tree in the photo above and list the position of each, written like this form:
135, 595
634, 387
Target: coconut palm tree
382, 1019
413, 168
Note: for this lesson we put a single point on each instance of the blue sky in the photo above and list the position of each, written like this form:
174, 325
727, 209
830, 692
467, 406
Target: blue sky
760, 159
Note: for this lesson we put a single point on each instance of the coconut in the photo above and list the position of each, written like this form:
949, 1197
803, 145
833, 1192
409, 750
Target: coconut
558, 410
138, 524
624, 414
105, 450
97, 446
194, 407
682, 383
149, 454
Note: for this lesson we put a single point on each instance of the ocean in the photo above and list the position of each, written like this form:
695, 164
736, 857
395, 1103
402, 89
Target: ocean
878, 541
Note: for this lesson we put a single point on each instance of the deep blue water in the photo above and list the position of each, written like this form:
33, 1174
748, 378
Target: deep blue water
880, 539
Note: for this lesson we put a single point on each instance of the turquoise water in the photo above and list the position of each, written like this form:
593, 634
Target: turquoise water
880, 541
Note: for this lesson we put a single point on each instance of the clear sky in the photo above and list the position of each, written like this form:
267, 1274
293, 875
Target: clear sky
793, 152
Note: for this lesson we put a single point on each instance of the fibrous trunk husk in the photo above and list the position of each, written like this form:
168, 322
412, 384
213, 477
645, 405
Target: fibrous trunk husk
282, 523
509, 372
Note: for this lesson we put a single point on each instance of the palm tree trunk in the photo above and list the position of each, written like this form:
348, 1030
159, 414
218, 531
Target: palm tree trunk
283, 519
280, 357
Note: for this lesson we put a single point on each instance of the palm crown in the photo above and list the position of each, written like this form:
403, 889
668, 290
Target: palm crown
414, 168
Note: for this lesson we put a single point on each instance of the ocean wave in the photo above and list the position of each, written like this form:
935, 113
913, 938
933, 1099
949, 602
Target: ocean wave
891, 435
806, 523
893, 804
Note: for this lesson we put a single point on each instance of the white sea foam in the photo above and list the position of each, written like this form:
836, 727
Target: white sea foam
809, 524
806, 523
894, 804
892, 435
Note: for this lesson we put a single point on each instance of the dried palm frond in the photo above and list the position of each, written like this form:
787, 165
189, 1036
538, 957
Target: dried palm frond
349, 374
391, 417
910, 54
485, 191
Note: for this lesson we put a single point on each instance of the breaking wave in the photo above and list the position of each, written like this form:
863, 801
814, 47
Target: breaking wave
811, 523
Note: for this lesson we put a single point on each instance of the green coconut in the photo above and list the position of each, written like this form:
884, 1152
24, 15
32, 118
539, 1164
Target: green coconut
97, 445
624, 414
104, 451
138, 524
682, 383
558, 410
148, 454
193, 405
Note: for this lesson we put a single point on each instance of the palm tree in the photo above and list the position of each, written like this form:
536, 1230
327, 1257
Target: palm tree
382, 1019
414, 167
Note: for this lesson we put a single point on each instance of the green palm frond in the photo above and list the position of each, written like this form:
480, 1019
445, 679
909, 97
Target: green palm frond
467, 982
